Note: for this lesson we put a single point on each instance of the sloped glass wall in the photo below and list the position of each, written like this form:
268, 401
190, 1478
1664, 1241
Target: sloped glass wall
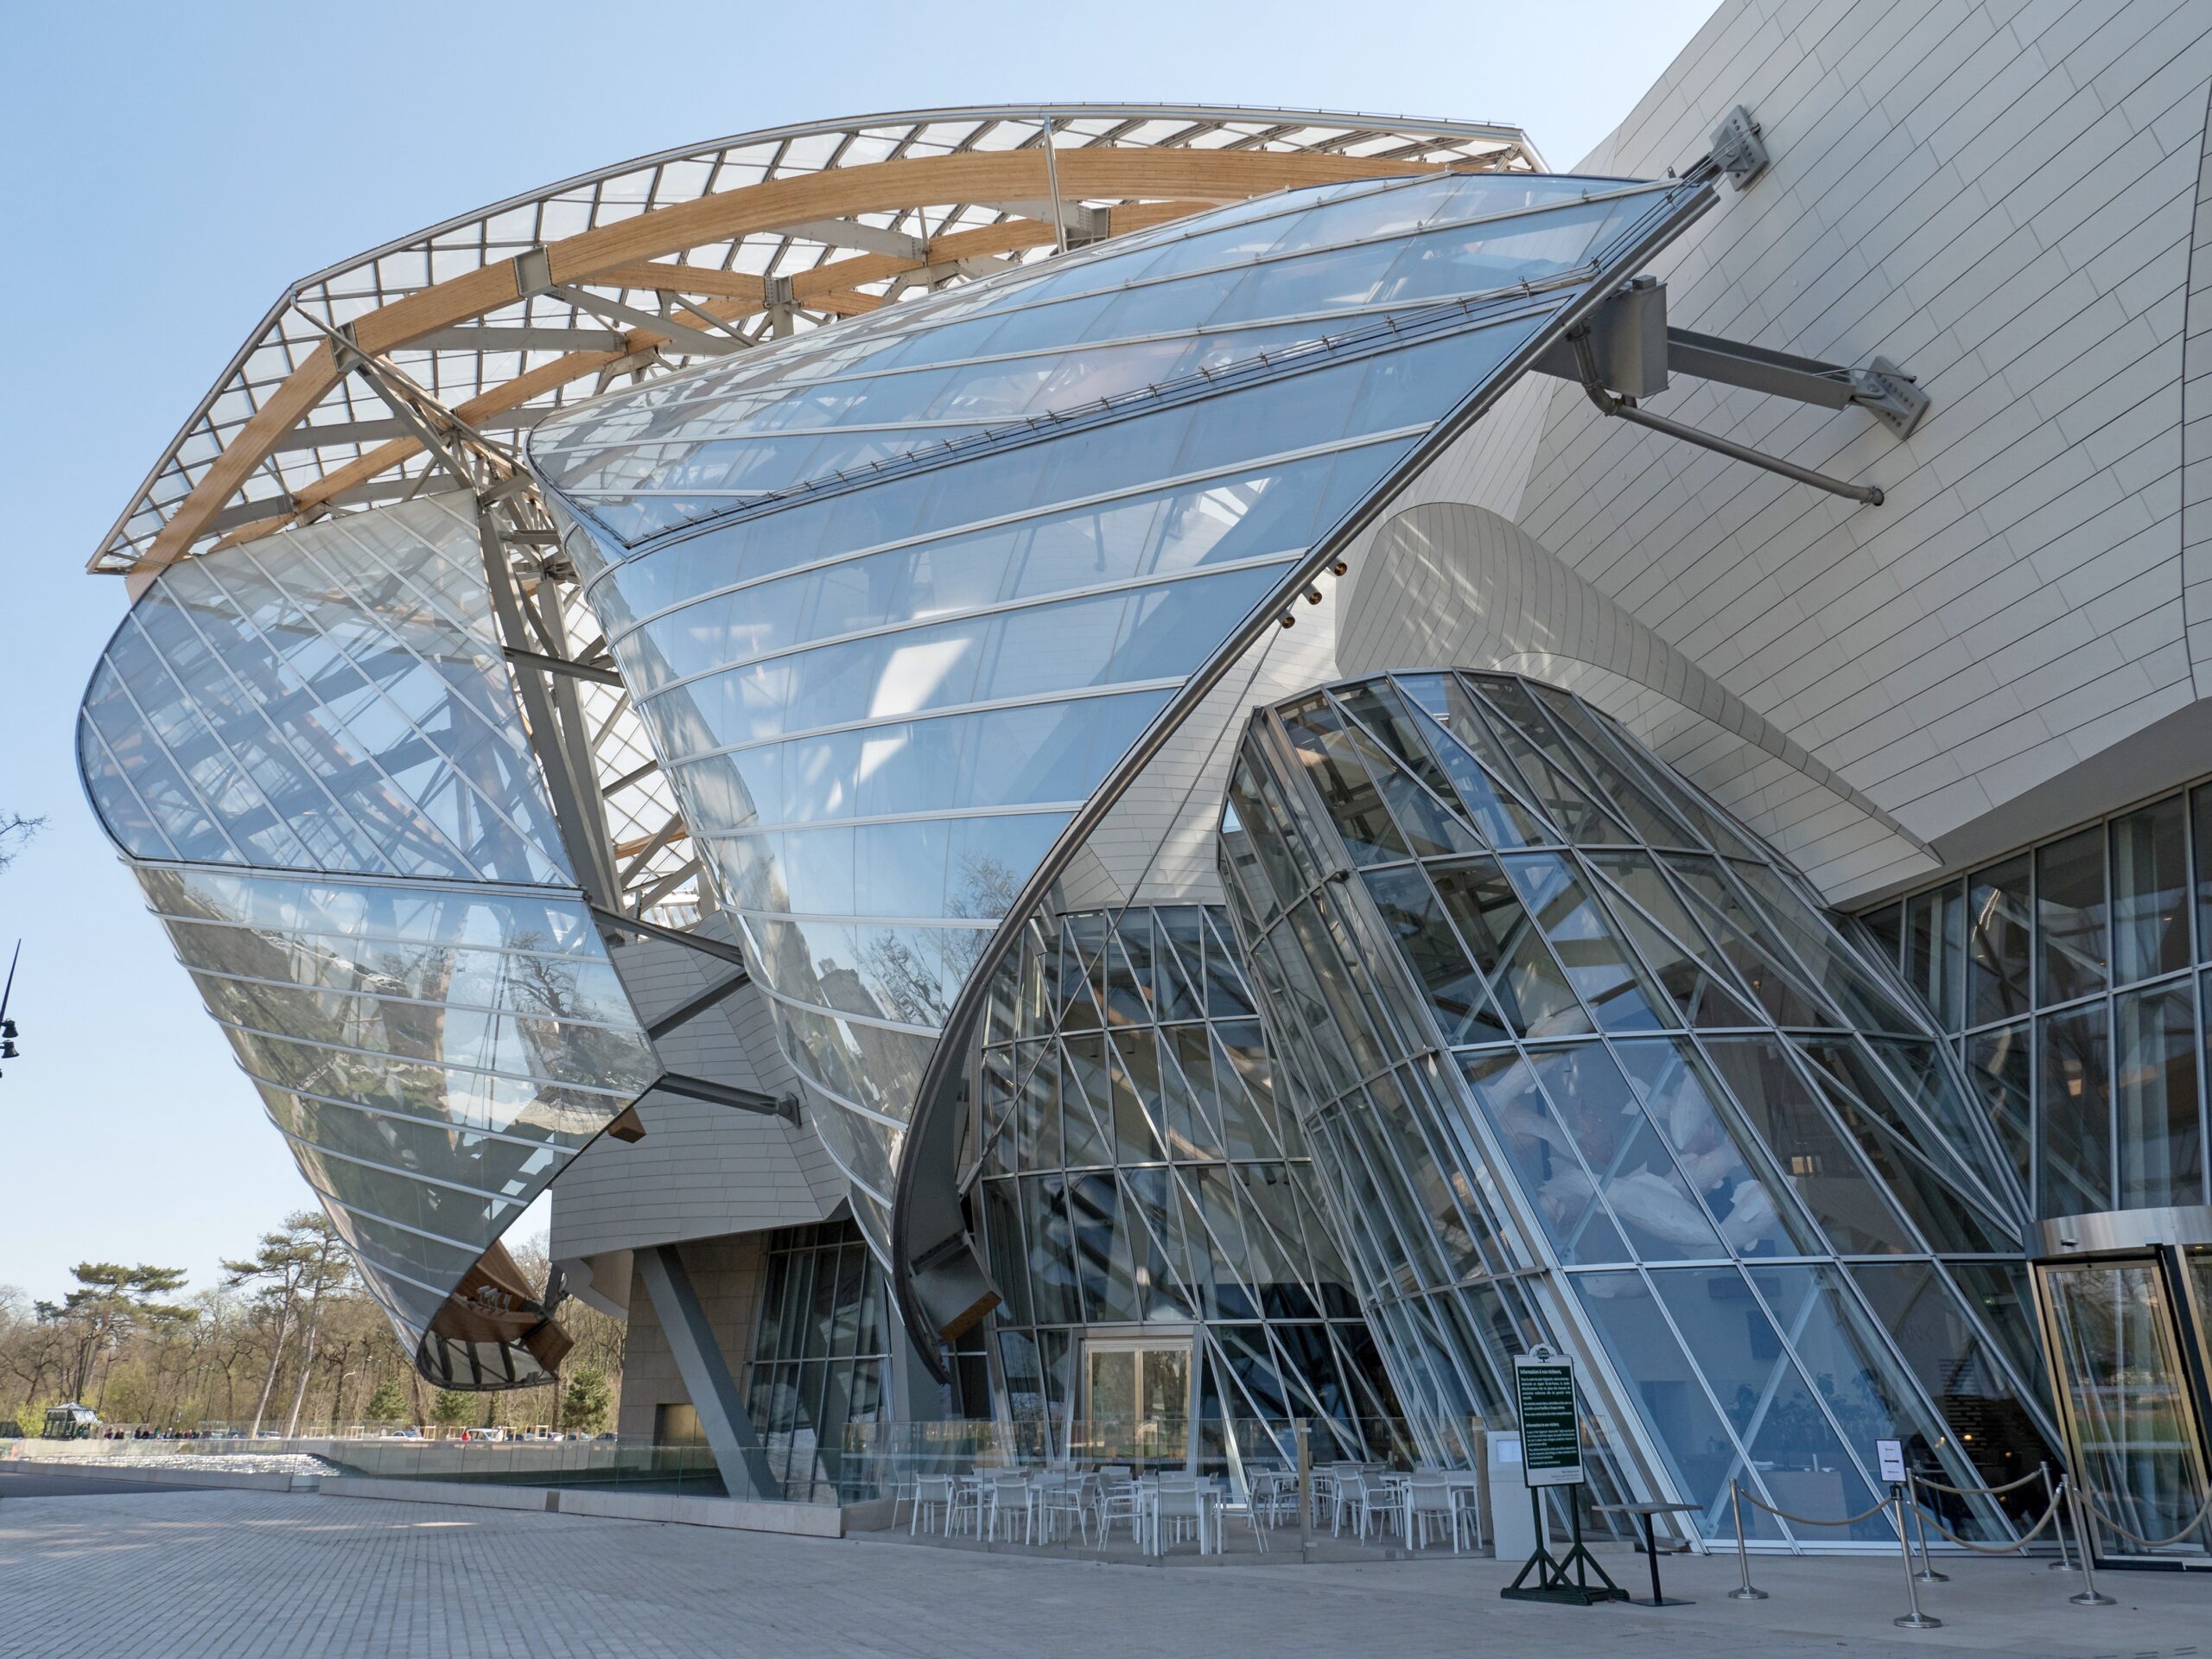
1138, 1175
309, 750
1578, 1060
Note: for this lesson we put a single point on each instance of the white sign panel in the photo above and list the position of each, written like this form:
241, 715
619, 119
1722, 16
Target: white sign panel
1892, 1453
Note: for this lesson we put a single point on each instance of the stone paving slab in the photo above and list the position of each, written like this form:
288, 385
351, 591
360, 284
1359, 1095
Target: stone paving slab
193, 1575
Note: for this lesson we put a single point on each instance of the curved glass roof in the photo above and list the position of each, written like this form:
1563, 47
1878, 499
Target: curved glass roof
885, 670
508, 314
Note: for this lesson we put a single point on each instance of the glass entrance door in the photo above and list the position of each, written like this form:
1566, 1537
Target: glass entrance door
2128, 1403
1137, 1399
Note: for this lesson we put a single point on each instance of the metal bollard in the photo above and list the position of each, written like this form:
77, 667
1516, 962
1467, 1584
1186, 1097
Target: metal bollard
2065, 1561
1742, 1555
2088, 1596
1928, 1573
1914, 1620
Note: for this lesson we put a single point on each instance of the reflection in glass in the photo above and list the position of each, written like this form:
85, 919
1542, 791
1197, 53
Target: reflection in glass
2070, 916
2127, 1395
1998, 941
2150, 886
2073, 1112
2157, 1126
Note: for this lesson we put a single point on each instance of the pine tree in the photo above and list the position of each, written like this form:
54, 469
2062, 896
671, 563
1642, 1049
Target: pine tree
584, 1407
388, 1404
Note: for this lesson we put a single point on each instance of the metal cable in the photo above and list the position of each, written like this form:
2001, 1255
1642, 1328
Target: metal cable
2137, 1537
1808, 1521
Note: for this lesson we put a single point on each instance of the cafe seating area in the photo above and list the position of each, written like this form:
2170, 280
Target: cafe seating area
1350, 1509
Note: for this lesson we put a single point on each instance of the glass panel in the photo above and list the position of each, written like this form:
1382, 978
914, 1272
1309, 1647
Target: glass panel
1701, 1454
1887, 927
2200, 814
1998, 1066
2073, 1112
1611, 979
1998, 941
1485, 786
1532, 993
1780, 1106
2070, 916
1681, 1093
2127, 1397
1650, 1203
1985, 1412
1543, 1157
1767, 1400
2150, 888
1411, 913
1935, 952
1346, 792
2154, 1091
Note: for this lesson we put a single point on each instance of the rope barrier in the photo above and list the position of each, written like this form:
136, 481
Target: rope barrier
2136, 1537
1809, 1520
1979, 1491
2024, 1540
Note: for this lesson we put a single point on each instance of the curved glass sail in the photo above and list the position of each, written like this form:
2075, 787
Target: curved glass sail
893, 598
1684, 1130
308, 751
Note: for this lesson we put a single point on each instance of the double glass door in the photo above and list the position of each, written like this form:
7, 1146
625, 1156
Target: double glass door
2126, 1335
1137, 1402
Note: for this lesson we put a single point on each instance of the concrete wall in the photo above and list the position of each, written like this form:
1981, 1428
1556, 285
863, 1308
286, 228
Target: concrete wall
728, 1273
2005, 198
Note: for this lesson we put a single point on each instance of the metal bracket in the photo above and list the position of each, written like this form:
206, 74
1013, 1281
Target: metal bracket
1738, 150
1893, 395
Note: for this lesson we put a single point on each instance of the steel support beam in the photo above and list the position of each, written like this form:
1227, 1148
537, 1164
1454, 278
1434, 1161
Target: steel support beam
562, 665
683, 1012
705, 1375
722, 1094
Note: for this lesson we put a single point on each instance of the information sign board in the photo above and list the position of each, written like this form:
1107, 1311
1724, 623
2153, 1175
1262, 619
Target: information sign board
1891, 1454
1551, 1436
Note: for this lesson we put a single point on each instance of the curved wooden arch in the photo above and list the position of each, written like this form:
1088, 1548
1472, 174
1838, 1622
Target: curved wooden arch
1183, 181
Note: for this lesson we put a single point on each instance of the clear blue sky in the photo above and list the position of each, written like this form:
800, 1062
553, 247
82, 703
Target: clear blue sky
176, 166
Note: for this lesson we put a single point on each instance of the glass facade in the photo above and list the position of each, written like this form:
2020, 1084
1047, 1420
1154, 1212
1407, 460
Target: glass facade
1578, 1060
1138, 1175
2074, 980
309, 752
821, 1354
892, 597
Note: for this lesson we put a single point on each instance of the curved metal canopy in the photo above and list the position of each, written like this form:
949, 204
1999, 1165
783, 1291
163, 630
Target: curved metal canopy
508, 314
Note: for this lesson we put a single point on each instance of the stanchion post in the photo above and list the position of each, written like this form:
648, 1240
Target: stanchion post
1914, 1620
2065, 1561
1927, 1573
1304, 1493
2088, 1596
1743, 1556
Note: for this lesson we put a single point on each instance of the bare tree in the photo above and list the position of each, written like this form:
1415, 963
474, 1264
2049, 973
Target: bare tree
15, 831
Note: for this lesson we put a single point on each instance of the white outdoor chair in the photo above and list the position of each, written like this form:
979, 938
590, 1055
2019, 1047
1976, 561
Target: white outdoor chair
1181, 1502
906, 1490
1064, 1498
1120, 1504
1433, 1504
935, 1498
1372, 1501
1010, 1498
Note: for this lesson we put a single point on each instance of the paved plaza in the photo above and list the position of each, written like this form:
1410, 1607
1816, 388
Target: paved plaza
188, 1574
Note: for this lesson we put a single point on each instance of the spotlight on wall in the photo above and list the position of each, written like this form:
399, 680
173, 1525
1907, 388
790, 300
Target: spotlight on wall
1339, 568
1287, 619
1312, 595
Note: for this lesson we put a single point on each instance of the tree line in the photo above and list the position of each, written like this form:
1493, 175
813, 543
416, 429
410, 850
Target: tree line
287, 1341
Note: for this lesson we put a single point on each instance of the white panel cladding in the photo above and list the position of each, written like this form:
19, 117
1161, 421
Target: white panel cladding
2000, 197
702, 1170
2196, 433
